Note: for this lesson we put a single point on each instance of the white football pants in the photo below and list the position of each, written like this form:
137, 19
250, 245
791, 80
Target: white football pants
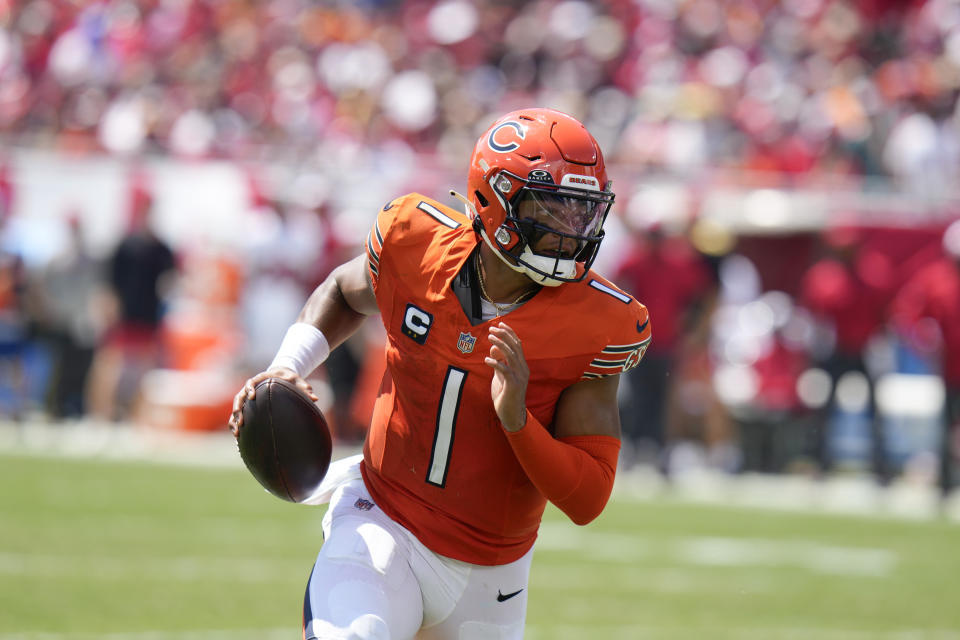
373, 580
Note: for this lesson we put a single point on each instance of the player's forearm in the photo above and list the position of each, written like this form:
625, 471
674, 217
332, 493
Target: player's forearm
327, 310
339, 305
574, 473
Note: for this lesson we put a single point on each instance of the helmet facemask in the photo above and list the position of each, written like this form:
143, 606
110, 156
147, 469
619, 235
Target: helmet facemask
549, 230
539, 194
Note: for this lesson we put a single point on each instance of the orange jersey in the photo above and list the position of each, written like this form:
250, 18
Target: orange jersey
436, 458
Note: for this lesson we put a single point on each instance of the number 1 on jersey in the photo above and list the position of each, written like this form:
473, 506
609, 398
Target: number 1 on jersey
446, 420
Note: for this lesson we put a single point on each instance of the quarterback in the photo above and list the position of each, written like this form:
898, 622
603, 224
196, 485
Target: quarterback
503, 352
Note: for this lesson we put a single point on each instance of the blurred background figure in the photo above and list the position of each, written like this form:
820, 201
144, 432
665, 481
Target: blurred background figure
67, 306
292, 244
758, 345
282, 249
14, 318
140, 274
847, 289
660, 268
926, 313
700, 431
361, 355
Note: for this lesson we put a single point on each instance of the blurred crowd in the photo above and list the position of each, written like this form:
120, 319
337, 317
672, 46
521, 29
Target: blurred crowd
794, 348
787, 87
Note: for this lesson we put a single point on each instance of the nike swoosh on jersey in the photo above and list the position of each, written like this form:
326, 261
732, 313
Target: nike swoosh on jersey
501, 597
641, 327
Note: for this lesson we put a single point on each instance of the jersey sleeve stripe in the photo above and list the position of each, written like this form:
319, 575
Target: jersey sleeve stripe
371, 252
590, 375
375, 238
615, 359
608, 363
624, 348
373, 260
437, 215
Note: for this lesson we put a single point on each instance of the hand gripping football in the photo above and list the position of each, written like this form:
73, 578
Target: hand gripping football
284, 440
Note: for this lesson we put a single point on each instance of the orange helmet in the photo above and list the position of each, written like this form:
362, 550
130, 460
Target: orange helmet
540, 194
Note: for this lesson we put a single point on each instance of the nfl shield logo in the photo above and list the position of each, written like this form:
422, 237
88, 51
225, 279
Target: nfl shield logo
466, 342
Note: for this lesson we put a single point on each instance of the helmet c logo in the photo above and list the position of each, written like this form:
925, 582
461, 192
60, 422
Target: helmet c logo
508, 143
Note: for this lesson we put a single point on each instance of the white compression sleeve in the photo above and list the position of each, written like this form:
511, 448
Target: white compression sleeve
303, 349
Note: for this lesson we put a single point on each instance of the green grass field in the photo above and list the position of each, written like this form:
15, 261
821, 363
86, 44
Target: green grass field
99, 549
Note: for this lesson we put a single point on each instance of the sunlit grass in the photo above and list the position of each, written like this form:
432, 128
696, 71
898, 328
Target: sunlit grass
92, 548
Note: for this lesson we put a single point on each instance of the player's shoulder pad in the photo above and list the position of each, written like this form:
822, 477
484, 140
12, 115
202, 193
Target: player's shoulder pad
410, 220
414, 212
626, 328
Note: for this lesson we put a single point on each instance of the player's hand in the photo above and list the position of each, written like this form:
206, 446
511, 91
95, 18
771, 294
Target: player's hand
510, 376
249, 390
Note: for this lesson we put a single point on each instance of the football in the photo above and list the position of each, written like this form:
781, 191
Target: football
285, 441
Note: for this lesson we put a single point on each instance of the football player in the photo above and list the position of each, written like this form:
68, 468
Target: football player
932, 293
503, 355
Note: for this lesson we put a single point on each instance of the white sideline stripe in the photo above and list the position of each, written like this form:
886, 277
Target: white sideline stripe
174, 568
819, 558
212, 634
572, 632
556, 581
854, 496
726, 552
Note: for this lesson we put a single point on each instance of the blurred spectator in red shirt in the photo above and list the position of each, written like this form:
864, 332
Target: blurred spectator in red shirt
933, 293
847, 291
671, 278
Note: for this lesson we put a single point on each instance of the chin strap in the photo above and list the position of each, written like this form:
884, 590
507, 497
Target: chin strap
468, 207
567, 268
471, 211
564, 268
